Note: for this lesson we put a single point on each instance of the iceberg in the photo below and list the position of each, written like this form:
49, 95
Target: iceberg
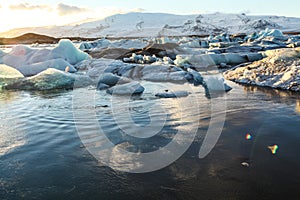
31, 61
279, 69
207, 60
35, 68
50, 79
67, 51
215, 83
7, 72
8, 75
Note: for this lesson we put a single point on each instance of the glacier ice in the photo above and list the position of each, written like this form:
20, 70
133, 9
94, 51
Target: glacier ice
67, 51
279, 69
35, 68
31, 61
111, 80
51, 79
8, 75
207, 60
105, 43
171, 94
216, 83
132, 88
7, 72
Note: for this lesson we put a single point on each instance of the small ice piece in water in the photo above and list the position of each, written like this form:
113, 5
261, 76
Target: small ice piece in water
51, 79
245, 164
273, 148
216, 83
248, 136
132, 88
168, 94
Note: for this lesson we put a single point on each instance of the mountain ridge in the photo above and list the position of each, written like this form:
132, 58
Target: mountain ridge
137, 24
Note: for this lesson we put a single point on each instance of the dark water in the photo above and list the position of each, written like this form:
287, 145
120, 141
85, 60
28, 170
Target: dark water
42, 156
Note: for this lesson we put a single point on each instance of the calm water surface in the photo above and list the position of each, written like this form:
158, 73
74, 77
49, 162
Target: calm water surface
42, 156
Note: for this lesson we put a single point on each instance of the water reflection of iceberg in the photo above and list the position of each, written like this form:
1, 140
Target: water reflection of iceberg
12, 137
297, 107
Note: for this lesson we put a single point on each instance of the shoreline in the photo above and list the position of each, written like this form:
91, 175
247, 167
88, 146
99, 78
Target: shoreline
33, 38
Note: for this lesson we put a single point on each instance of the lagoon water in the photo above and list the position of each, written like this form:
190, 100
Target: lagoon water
43, 157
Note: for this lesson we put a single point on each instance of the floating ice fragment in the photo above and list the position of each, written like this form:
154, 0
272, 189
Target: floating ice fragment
50, 79
245, 164
168, 94
132, 88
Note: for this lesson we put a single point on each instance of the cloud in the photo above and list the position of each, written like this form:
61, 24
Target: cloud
64, 9
138, 10
27, 6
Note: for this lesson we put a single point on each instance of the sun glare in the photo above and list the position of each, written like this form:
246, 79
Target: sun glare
24, 18
18, 18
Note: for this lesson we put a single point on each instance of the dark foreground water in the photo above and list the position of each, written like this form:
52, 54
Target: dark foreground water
42, 156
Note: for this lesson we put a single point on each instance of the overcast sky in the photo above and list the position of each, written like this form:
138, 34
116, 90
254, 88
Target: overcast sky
20, 13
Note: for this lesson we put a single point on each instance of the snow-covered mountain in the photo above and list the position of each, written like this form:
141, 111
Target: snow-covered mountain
161, 24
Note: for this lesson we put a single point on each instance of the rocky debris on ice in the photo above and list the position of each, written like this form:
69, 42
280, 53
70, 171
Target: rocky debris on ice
50, 79
165, 49
122, 43
31, 61
95, 68
159, 50
109, 53
112, 72
198, 61
280, 69
144, 59
141, 59
132, 88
